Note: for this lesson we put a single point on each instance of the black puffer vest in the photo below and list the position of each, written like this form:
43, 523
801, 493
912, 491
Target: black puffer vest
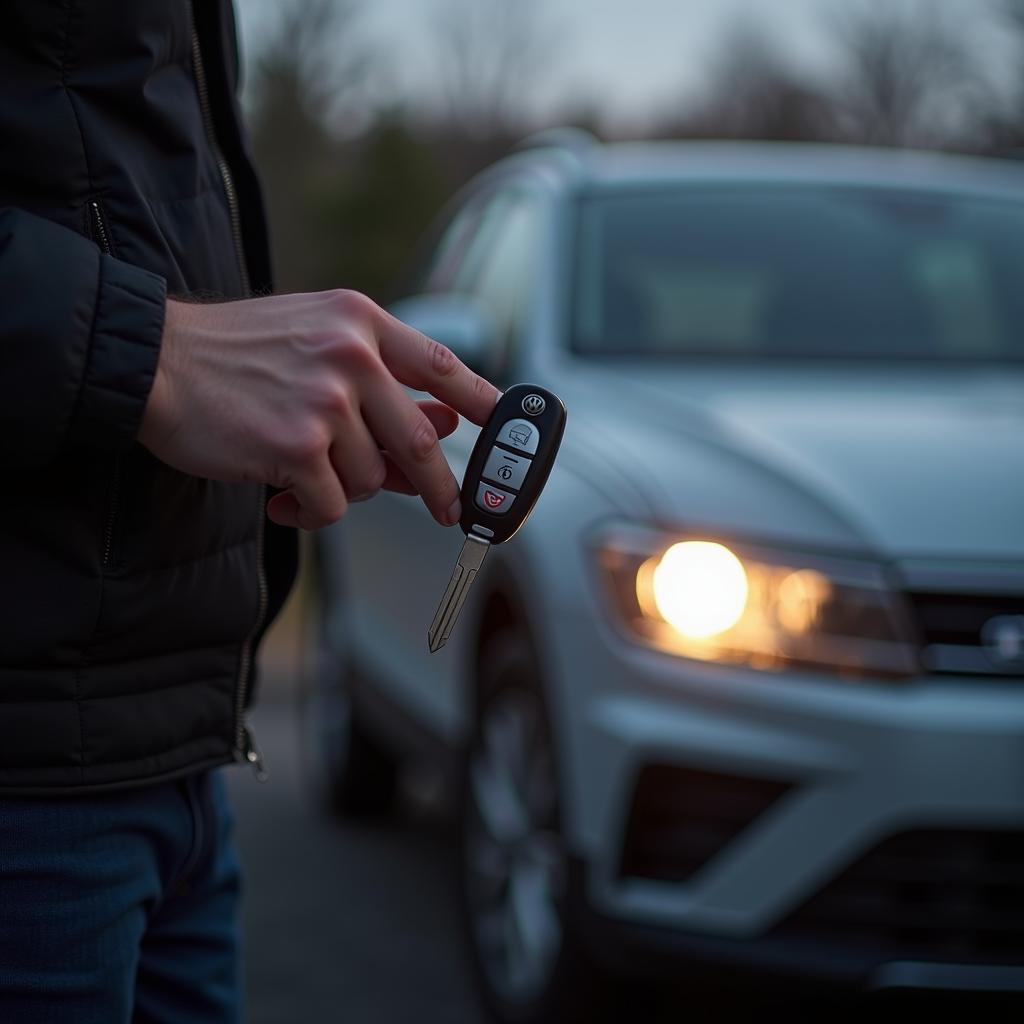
132, 596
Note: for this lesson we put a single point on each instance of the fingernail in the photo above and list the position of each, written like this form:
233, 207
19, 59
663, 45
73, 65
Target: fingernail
454, 512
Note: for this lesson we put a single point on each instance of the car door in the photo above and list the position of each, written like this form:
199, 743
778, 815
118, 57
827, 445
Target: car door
399, 558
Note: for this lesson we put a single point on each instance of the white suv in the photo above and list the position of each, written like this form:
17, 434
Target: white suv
748, 688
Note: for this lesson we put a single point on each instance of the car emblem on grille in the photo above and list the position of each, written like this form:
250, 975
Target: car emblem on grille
533, 405
1003, 640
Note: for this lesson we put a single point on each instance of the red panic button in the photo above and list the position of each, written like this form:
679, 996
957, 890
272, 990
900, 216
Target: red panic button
493, 499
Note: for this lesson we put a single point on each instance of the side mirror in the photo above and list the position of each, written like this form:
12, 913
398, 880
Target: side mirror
458, 321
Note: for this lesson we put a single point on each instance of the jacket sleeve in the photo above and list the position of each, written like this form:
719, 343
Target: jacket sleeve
79, 341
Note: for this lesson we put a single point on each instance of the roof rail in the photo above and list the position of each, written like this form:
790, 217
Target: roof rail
571, 140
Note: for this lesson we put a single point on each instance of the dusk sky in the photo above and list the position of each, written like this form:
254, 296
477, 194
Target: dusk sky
630, 58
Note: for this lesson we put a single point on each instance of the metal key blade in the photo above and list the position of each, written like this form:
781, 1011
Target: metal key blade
470, 559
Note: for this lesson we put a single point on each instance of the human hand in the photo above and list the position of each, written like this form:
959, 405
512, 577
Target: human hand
303, 392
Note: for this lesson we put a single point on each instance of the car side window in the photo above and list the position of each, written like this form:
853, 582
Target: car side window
499, 265
442, 268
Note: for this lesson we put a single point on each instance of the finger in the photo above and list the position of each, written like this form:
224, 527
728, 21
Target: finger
283, 509
427, 365
396, 480
315, 500
445, 422
409, 437
444, 419
357, 461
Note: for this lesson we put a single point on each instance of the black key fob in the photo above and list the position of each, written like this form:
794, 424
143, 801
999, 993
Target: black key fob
511, 462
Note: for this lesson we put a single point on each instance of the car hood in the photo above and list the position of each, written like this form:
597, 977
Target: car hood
909, 463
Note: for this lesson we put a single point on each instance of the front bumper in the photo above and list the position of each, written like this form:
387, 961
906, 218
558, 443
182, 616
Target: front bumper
859, 763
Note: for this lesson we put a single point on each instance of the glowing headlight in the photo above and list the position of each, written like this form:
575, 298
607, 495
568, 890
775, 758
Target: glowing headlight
698, 587
767, 609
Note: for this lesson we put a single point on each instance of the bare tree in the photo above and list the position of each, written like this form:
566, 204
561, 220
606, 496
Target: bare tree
754, 94
909, 74
315, 59
307, 83
488, 52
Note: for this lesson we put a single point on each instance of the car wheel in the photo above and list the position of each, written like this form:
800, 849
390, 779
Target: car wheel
353, 773
529, 962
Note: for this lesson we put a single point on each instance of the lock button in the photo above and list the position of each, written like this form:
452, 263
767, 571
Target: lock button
520, 435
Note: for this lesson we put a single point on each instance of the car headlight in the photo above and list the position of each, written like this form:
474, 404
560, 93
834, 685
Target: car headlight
768, 609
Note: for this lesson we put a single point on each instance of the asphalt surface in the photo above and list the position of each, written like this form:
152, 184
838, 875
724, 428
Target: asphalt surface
344, 922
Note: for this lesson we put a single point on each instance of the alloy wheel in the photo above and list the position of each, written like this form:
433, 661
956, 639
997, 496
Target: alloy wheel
515, 863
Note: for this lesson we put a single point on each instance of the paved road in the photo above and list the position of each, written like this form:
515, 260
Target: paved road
344, 922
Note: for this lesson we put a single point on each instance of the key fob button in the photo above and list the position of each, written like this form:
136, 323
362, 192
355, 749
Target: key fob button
505, 468
521, 435
493, 499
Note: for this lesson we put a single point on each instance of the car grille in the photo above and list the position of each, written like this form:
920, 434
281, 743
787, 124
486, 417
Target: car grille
681, 817
942, 896
951, 628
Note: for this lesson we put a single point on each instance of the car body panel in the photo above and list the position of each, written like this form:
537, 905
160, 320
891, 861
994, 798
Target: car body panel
865, 761
758, 452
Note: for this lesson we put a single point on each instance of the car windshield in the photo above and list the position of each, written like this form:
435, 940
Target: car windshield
815, 272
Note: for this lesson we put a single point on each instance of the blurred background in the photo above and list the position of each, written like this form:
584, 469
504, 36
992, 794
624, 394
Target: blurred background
366, 117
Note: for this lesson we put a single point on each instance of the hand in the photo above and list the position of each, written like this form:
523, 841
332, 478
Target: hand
303, 392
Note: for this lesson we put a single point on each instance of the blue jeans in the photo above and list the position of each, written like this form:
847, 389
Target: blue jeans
121, 907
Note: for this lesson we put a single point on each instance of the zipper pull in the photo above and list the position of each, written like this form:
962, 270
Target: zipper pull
252, 756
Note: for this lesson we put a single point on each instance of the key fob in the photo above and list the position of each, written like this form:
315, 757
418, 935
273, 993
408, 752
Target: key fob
506, 473
511, 462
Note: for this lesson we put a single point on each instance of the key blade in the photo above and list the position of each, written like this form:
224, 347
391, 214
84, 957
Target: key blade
470, 559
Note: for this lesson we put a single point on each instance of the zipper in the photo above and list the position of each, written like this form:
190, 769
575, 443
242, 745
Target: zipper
251, 756
222, 164
99, 228
102, 238
115, 499
246, 750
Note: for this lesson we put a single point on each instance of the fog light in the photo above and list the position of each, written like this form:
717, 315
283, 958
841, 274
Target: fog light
698, 587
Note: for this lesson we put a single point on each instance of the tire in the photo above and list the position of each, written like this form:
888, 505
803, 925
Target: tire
530, 962
353, 774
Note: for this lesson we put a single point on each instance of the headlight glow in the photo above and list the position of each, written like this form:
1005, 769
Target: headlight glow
699, 587
754, 605
800, 598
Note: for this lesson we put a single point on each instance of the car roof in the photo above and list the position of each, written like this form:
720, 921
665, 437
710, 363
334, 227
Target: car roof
629, 166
